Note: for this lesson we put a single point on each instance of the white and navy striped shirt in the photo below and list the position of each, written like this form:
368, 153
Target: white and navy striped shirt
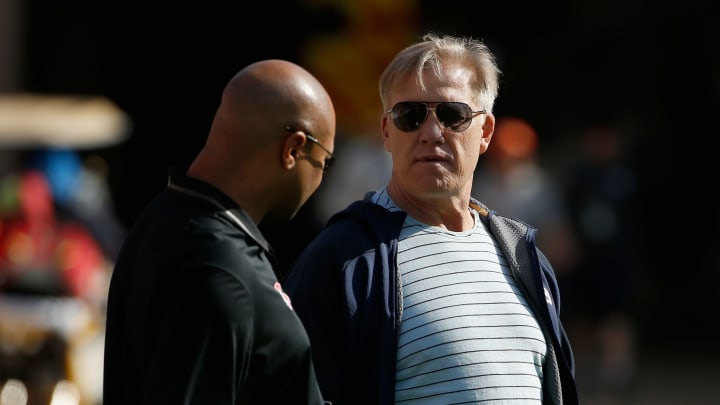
468, 335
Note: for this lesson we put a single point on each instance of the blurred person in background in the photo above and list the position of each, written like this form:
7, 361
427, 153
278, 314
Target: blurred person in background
54, 273
196, 314
58, 239
419, 293
601, 190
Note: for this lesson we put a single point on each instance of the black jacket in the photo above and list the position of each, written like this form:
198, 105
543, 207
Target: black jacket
195, 312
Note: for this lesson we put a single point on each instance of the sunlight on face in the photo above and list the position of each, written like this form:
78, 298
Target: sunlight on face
431, 161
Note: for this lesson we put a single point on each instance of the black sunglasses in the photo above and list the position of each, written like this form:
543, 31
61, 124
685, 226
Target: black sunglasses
330, 161
408, 116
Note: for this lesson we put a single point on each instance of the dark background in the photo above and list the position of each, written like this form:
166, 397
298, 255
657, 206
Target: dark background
566, 65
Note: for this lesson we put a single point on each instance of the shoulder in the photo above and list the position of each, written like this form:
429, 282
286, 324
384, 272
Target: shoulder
368, 213
360, 229
220, 253
499, 223
363, 220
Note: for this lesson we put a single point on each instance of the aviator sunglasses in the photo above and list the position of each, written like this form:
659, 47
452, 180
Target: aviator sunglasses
408, 116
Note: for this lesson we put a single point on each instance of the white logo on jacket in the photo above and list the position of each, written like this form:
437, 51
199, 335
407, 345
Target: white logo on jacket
548, 297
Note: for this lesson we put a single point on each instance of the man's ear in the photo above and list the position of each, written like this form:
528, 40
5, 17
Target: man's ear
290, 149
384, 122
488, 128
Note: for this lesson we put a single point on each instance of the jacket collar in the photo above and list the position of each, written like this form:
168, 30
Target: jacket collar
179, 182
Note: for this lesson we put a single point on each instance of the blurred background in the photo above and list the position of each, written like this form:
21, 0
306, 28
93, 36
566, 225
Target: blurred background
605, 141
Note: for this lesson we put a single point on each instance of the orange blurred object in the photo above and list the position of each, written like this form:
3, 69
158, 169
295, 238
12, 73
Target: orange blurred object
514, 138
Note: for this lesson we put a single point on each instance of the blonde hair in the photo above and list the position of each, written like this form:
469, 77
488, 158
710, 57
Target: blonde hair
431, 52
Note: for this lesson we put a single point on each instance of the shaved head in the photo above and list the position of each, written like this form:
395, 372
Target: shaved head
243, 153
270, 94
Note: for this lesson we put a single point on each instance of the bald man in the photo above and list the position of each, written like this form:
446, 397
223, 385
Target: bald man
195, 313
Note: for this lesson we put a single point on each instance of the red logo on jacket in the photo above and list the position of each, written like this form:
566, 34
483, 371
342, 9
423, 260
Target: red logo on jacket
284, 296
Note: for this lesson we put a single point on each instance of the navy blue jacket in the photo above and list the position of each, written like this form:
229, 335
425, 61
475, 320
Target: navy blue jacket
345, 288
